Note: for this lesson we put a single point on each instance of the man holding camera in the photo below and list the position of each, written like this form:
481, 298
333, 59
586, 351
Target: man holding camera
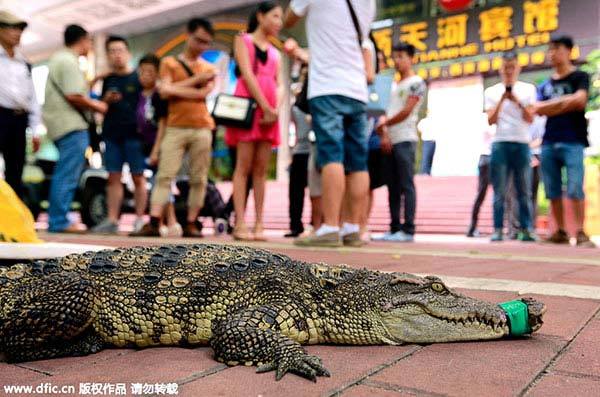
507, 105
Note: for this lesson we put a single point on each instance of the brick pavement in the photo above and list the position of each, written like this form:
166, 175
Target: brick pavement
562, 359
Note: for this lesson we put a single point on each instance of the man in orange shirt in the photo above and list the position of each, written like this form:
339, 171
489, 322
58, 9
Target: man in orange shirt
186, 80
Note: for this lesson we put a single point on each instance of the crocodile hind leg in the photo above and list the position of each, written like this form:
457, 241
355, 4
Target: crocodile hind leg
253, 337
48, 317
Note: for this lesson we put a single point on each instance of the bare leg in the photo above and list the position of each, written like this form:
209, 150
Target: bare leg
114, 196
346, 212
156, 210
140, 195
170, 218
364, 220
316, 212
262, 155
243, 168
557, 212
333, 192
579, 212
358, 188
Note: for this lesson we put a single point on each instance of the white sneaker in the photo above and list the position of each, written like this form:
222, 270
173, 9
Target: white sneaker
163, 230
398, 237
171, 231
175, 230
138, 224
381, 237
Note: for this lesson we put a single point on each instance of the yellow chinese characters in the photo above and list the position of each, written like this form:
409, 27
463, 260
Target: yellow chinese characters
452, 31
540, 16
414, 33
496, 23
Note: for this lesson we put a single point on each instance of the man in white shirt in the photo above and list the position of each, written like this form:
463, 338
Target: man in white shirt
337, 93
18, 104
506, 104
398, 132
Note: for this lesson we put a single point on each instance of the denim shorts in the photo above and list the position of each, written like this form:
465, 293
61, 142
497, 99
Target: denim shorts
341, 129
555, 156
128, 151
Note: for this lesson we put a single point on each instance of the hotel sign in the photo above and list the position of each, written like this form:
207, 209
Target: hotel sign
472, 42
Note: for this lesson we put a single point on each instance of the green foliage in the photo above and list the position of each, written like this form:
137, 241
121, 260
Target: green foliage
592, 160
592, 67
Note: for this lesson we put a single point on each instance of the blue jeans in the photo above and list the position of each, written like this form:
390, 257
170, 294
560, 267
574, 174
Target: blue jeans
71, 149
511, 158
341, 129
555, 156
427, 158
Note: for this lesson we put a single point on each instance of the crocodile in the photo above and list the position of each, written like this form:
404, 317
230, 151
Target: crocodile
252, 306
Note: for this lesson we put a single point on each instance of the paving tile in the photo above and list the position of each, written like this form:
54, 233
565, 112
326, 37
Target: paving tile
583, 355
149, 365
346, 364
14, 375
557, 385
498, 368
565, 316
61, 365
370, 391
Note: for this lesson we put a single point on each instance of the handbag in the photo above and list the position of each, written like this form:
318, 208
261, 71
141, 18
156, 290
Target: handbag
235, 111
380, 89
90, 120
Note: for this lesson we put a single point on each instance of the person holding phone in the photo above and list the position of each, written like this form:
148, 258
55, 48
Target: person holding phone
123, 143
507, 104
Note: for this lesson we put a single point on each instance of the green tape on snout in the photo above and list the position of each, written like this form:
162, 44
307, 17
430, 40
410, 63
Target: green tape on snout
518, 316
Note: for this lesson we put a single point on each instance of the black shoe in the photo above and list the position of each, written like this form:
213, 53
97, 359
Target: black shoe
193, 229
473, 233
293, 233
148, 230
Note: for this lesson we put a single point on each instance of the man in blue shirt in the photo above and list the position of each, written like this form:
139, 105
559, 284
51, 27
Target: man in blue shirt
563, 99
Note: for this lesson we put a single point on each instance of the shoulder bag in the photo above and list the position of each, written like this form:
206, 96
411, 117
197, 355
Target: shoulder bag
235, 111
89, 119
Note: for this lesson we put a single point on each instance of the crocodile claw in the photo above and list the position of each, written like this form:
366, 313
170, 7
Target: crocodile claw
301, 364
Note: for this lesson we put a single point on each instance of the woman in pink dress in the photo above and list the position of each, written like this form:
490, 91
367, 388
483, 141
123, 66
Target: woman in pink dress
258, 62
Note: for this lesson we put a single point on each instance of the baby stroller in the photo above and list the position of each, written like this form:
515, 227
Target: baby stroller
214, 206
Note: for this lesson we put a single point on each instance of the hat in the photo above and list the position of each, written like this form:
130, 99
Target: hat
6, 18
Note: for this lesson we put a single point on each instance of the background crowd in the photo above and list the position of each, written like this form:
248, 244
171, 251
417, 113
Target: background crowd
156, 116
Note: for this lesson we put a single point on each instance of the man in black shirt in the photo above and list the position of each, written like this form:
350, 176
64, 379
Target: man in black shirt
563, 99
121, 90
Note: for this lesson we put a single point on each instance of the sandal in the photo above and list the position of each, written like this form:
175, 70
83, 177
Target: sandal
259, 233
242, 234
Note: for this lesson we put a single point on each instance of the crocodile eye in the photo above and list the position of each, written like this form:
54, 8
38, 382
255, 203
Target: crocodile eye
437, 287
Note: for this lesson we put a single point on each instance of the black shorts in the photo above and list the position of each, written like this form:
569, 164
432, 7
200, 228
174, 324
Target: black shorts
377, 169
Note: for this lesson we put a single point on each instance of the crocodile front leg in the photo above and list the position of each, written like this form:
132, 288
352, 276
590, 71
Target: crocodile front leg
253, 337
48, 317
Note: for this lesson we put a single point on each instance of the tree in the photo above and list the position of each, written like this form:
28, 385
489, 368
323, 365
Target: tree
592, 67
